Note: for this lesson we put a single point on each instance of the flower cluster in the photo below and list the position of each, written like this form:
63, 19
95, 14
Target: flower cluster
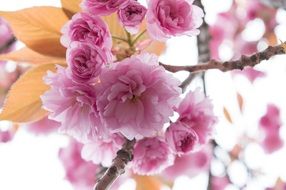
102, 102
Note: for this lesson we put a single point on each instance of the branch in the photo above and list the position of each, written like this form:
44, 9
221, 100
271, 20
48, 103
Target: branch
243, 62
124, 155
203, 48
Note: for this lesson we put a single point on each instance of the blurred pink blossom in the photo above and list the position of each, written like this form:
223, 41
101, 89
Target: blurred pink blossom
270, 123
151, 156
219, 183
44, 126
100, 7
167, 18
6, 136
80, 173
250, 73
189, 164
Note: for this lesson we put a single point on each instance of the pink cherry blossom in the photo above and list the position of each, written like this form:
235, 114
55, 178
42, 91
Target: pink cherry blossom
87, 28
102, 7
6, 136
44, 126
270, 123
151, 156
167, 18
131, 16
272, 143
196, 112
136, 96
102, 150
80, 173
219, 183
189, 164
71, 104
5, 33
85, 61
181, 138
250, 73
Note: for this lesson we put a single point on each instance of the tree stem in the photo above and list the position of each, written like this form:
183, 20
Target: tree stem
244, 61
124, 155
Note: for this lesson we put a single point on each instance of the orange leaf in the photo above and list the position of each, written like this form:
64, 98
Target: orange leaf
114, 25
39, 28
227, 115
26, 55
71, 6
147, 183
23, 103
240, 101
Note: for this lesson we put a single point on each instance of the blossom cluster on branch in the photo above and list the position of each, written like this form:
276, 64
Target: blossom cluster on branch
101, 101
106, 88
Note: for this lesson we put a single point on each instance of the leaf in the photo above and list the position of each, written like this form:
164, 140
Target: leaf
240, 102
39, 28
71, 7
227, 115
116, 29
144, 41
147, 183
23, 103
26, 55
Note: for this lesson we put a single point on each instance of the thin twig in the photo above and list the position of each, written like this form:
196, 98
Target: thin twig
244, 61
117, 168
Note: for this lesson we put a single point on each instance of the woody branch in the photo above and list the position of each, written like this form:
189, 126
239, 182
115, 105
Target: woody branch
244, 61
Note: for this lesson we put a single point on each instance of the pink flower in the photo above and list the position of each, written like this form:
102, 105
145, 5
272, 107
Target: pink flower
166, 18
189, 164
5, 32
71, 104
272, 143
151, 156
80, 173
219, 183
181, 138
136, 96
102, 7
270, 123
131, 16
6, 136
196, 112
85, 61
87, 28
102, 150
44, 126
250, 73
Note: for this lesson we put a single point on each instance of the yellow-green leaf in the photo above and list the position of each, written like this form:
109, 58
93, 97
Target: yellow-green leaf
71, 6
26, 55
147, 183
23, 103
39, 28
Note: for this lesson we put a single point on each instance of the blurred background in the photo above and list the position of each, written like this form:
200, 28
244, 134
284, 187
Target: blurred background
248, 151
